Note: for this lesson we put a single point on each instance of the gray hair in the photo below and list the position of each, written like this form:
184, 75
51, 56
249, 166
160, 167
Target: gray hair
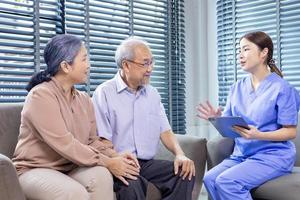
126, 49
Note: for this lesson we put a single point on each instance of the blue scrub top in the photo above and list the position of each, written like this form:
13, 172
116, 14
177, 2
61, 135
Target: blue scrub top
274, 103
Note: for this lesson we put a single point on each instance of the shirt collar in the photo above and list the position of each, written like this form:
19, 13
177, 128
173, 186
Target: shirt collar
121, 85
263, 83
74, 92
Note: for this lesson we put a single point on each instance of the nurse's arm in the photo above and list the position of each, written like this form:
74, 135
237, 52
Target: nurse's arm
283, 134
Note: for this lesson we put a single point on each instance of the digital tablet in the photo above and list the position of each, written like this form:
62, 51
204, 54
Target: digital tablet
224, 125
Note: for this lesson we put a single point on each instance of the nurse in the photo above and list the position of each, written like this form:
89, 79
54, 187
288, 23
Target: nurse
270, 105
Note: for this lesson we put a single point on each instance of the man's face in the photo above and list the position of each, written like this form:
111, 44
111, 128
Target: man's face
138, 70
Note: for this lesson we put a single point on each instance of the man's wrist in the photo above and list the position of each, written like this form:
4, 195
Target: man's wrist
180, 153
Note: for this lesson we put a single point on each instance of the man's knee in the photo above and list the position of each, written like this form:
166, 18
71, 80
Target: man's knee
135, 190
188, 183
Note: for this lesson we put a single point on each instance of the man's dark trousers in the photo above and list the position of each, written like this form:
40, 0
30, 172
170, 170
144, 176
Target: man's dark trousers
161, 174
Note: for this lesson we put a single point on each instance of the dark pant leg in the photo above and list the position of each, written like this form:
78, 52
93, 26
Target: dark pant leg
161, 174
136, 190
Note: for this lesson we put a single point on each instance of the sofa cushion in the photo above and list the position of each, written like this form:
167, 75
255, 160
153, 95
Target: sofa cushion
195, 149
9, 184
284, 187
10, 116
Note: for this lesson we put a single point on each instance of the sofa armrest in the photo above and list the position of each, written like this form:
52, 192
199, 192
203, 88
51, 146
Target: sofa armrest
9, 183
195, 149
217, 150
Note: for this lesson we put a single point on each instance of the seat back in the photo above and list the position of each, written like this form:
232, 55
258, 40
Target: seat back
10, 119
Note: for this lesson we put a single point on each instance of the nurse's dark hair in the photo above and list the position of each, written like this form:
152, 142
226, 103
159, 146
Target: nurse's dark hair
60, 48
263, 40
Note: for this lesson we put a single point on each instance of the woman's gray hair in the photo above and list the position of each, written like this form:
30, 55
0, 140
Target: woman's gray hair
126, 49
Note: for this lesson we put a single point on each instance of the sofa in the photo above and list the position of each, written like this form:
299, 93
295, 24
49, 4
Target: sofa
286, 187
10, 113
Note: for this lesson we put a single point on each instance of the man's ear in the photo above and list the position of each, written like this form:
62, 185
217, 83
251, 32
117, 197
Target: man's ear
65, 67
125, 65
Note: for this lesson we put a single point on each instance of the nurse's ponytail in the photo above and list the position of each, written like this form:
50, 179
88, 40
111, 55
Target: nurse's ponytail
273, 67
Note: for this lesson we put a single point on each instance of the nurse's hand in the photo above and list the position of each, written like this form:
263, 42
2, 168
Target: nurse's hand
252, 133
206, 110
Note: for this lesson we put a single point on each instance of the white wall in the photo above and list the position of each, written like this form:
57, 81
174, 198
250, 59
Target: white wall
201, 62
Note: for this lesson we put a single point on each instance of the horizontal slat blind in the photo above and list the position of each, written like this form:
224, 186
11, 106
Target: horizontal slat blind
109, 25
280, 19
76, 24
50, 24
110, 22
290, 41
18, 42
102, 24
226, 68
16, 49
177, 67
150, 22
254, 15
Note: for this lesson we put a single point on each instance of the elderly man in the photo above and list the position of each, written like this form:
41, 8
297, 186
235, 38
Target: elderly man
129, 113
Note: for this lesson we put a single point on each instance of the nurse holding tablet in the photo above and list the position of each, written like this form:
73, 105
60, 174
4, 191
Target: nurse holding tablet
270, 105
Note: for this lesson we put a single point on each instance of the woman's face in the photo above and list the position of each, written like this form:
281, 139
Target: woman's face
251, 56
80, 67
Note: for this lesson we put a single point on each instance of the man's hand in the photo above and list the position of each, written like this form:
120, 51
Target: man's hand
187, 166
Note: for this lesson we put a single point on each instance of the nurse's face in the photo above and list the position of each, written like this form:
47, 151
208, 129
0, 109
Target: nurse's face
251, 56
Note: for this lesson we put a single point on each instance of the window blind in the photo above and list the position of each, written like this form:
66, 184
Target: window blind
102, 24
27, 24
279, 19
107, 23
290, 41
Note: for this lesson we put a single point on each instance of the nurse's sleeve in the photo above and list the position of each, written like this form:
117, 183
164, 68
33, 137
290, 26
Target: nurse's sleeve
227, 109
288, 105
101, 112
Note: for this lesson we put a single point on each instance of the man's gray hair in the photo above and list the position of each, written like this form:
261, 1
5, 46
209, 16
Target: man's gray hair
126, 49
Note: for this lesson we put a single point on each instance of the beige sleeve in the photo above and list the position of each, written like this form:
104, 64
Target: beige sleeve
102, 145
43, 112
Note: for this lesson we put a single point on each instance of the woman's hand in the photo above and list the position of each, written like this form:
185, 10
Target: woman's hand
122, 168
206, 111
133, 160
252, 133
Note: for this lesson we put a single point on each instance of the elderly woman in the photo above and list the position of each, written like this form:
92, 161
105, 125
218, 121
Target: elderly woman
58, 155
